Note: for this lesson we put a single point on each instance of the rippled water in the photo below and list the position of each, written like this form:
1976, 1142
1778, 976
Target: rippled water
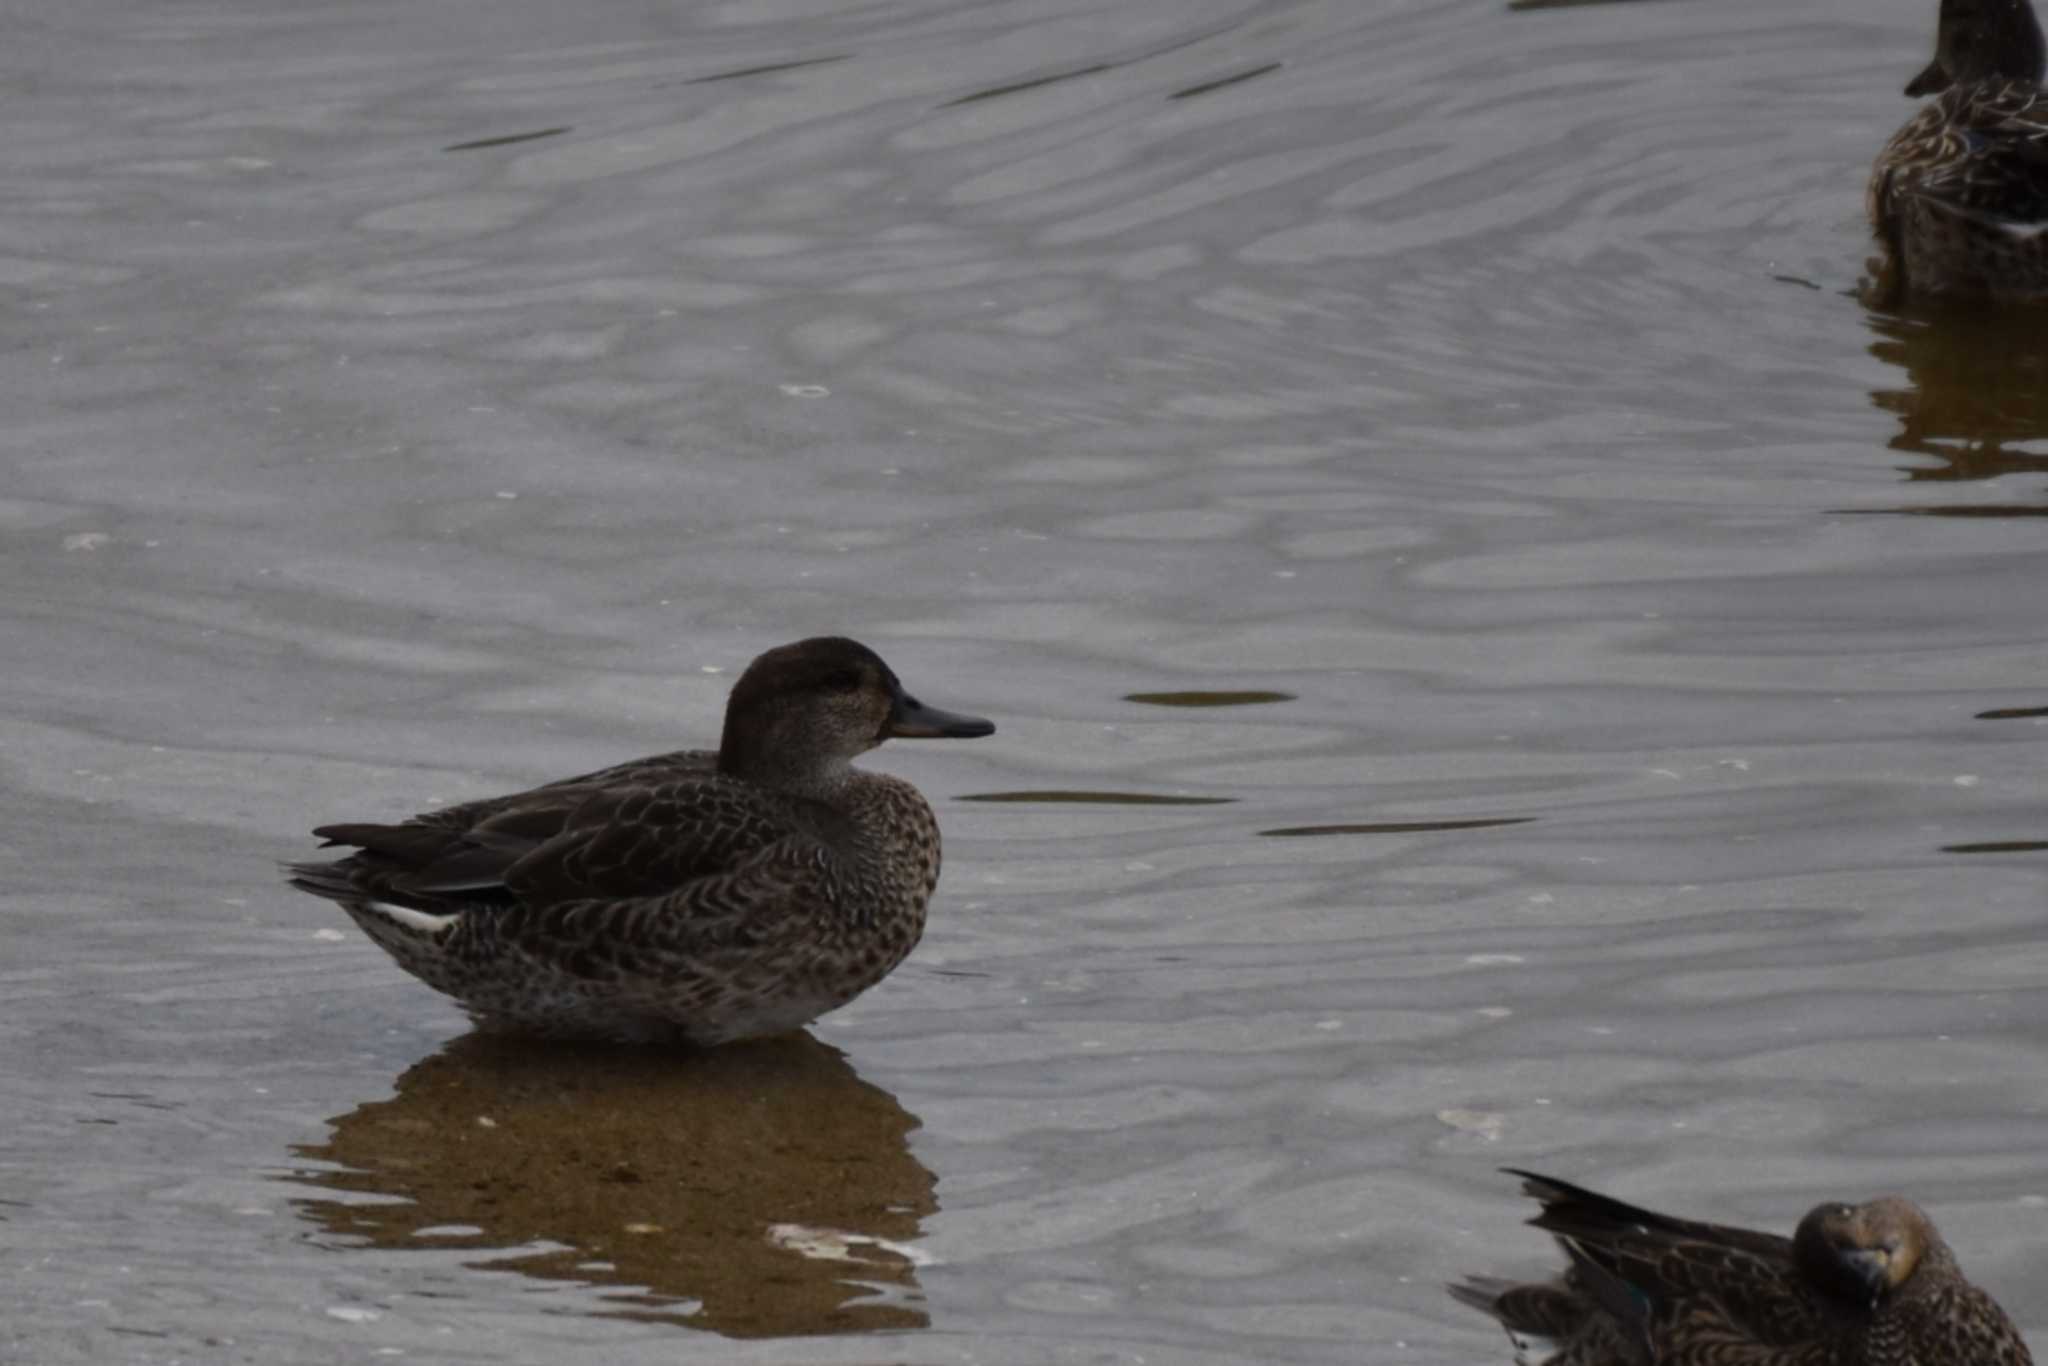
1441, 428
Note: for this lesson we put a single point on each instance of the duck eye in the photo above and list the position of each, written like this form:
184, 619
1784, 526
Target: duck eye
842, 680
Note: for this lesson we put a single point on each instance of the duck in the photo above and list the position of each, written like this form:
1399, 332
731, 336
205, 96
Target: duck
1871, 1284
693, 898
1958, 198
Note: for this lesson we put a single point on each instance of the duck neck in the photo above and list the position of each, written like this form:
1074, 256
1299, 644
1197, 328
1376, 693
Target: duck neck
768, 766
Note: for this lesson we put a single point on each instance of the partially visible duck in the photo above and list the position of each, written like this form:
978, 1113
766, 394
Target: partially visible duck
1855, 1285
694, 897
1959, 196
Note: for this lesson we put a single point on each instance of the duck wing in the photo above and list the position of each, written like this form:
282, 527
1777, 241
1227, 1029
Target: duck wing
640, 829
1570, 1210
1544, 1310
1692, 1288
1991, 165
653, 840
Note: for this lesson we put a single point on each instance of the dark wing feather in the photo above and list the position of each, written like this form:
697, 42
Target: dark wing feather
1558, 1313
641, 829
1574, 1211
654, 768
1544, 1310
1602, 1282
1678, 1279
735, 912
649, 841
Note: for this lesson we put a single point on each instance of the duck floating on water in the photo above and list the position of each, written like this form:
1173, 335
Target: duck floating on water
1959, 196
1855, 1285
696, 897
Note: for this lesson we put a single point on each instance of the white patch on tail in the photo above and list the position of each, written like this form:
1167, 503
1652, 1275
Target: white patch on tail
2025, 232
410, 918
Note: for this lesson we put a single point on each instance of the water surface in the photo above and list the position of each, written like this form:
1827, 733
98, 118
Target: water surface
409, 402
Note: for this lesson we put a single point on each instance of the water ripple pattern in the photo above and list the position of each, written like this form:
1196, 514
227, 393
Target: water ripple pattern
1442, 428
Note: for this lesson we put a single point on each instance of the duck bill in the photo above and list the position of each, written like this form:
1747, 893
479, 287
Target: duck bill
913, 720
1872, 1271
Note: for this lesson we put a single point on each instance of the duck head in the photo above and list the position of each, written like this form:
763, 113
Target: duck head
1978, 40
1864, 1254
802, 712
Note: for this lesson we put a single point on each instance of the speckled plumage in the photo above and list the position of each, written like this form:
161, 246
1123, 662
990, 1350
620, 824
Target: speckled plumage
1959, 195
1856, 1285
696, 897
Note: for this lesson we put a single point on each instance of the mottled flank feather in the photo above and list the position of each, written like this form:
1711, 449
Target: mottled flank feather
1856, 1285
697, 897
1959, 196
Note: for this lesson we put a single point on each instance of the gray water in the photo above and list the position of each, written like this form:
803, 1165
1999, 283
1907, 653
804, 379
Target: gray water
406, 402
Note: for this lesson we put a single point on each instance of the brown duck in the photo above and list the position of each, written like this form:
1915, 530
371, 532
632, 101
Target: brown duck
1855, 1285
1959, 196
694, 897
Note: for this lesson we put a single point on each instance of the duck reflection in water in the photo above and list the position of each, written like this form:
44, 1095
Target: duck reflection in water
760, 1190
1976, 393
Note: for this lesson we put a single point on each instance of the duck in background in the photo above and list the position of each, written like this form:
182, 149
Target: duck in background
1855, 1285
1959, 196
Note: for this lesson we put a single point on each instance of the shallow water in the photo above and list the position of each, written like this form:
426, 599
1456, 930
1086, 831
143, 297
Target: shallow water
1466, 401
